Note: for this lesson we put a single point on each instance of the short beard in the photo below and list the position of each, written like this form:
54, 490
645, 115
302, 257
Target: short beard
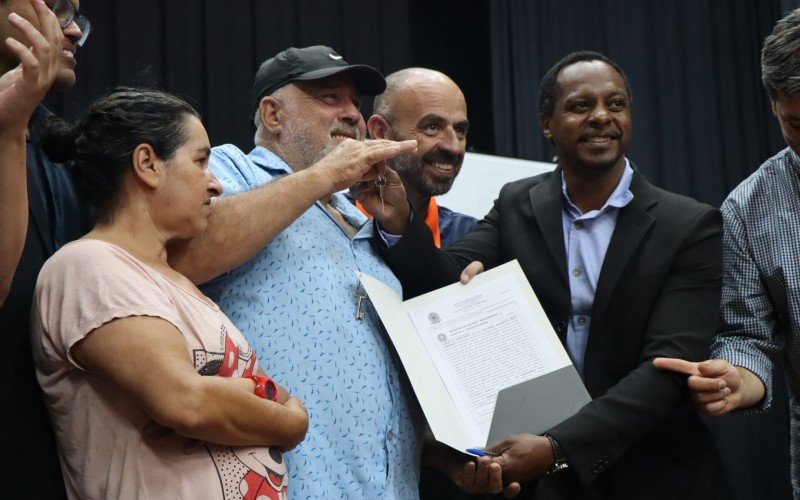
410, 170
310, 152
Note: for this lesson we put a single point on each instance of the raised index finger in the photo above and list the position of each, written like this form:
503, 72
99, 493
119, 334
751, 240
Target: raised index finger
676, 365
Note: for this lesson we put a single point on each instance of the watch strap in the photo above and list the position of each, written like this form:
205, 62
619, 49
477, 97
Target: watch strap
559, 458
265, 387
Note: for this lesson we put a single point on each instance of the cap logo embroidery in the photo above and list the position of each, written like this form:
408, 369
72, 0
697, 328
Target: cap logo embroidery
335, 57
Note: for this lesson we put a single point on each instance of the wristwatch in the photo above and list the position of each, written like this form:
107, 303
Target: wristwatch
560, 463
265, 388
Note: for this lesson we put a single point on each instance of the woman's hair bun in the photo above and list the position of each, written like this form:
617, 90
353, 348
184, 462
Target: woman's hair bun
57, 138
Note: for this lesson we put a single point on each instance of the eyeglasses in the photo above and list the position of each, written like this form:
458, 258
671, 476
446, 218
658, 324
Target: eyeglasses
66, 13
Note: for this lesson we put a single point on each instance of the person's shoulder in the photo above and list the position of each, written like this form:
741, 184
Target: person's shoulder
89, 253
446, 212
522, 186
228, 153
234, 168
661, 200
85, 259
773, 179
679, 202
675, 214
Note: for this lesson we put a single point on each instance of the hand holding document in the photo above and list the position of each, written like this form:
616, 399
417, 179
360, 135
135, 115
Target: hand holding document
482, 358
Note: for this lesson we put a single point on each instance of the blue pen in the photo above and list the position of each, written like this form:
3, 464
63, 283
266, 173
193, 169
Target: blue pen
481, 452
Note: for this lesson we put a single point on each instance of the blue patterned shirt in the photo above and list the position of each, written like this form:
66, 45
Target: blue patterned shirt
295, 302
760, 318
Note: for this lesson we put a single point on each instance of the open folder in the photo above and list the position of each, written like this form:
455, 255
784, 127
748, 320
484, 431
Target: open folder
482, 358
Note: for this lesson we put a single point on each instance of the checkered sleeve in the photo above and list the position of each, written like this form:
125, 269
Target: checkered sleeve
747, 327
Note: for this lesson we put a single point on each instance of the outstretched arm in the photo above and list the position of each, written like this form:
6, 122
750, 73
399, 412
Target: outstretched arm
717, 386
21, 90
243, 224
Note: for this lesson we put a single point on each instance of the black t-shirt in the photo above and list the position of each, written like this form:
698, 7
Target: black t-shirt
55, 217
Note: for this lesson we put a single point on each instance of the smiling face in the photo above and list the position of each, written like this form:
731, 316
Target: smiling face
184, 198
432, 110
591, 122
317, 115
65, 76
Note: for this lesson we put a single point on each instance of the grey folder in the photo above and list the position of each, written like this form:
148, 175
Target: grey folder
537, 405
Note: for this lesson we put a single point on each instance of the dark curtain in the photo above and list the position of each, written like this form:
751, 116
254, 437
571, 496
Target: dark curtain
702, 123
208, 51
701, 119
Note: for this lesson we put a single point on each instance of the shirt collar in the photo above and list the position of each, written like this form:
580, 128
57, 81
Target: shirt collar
269, 161
620, 197
794, 159
275, 166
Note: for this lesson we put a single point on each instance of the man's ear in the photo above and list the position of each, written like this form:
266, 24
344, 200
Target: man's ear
378, 127
146, 165
774, 105
271, 114
544, 121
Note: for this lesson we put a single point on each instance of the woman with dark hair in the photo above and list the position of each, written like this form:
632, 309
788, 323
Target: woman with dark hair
152, 391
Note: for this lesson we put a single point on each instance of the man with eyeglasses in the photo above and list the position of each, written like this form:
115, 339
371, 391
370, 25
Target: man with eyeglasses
39, 212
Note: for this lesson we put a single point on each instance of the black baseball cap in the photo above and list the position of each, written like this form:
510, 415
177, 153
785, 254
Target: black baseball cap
312, 63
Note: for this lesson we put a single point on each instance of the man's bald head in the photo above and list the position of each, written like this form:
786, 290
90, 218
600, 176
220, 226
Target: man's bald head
428, 106
406, 80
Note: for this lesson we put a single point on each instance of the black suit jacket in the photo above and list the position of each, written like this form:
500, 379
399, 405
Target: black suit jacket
658, 294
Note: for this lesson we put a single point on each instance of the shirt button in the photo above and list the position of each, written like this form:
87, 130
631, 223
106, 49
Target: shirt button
389, 434
576, 272
578, 224
581, 321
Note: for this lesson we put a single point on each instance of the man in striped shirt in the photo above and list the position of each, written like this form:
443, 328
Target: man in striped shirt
760, 316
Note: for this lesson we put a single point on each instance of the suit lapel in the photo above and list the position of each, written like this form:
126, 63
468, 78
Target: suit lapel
546, 202
632, 224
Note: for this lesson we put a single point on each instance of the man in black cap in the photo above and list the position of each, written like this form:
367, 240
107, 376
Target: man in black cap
298, 301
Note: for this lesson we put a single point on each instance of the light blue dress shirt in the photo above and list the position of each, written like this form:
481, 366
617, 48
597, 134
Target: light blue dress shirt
586, 239
295, 302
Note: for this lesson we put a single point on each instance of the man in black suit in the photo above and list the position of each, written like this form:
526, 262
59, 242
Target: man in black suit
625, 271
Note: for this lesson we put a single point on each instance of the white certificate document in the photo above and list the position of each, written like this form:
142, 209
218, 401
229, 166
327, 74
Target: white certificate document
462, 344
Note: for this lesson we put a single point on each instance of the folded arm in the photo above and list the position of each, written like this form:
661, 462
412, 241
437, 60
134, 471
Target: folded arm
242, 224
147, 359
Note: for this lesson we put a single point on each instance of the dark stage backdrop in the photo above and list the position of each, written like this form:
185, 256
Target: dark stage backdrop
702, 122
209, 50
